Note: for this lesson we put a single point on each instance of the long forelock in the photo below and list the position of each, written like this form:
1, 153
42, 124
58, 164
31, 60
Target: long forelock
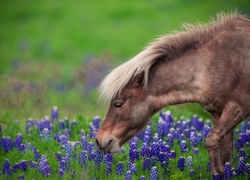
167, 45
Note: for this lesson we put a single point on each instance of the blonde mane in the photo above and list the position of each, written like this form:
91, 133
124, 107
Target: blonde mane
170, 46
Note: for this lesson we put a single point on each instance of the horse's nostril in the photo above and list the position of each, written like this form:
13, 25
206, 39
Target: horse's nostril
110, 142
97, 142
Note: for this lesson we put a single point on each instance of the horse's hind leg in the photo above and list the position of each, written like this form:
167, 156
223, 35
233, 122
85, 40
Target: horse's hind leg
231, 116
226, 148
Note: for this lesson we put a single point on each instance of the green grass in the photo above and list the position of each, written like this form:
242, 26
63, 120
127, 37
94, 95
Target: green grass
50, 41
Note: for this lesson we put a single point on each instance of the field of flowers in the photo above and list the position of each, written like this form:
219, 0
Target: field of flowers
56, 148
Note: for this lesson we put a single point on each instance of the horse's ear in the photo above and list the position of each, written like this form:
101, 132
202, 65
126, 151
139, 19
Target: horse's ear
137, 81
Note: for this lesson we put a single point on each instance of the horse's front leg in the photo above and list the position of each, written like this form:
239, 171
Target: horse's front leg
231, 116
226, 148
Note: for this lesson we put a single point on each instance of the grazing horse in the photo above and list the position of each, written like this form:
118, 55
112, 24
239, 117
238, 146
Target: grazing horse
208, 64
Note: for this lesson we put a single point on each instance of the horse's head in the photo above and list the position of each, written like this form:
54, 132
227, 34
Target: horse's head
128, 113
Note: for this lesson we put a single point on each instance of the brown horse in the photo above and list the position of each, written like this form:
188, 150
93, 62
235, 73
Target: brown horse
208, 64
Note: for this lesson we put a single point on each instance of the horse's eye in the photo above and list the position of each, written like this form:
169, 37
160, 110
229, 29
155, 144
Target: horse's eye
118, 105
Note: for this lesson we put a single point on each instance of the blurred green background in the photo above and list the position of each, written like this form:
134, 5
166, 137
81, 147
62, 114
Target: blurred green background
56, 52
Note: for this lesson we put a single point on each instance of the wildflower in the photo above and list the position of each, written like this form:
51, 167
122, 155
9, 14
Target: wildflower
228, 173
192, 173
242, 153
61, 124
172, 154
21, 176
37, 154
154, 173
155, 149
216, 176
193, 138
82, 157
6, 143
15, 167
62, 167
109, 158
133, 168
6, 168
189, 162
98, 158
181, 164
33, 164
206, 130
133, 155
109, 168
59, 156
183, 146
120, 168
142, 178
146, 164
128, 175
23, 165
96, 122
18, 140
241, 166
145, 150
195, 151
54, 114
45, 133
44, 167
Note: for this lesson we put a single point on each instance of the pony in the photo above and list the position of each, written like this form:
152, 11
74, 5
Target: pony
208, 64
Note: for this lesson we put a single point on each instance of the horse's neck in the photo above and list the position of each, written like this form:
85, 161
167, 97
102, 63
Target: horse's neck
180, 80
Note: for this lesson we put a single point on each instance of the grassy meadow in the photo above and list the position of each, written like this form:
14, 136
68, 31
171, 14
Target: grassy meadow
55, 53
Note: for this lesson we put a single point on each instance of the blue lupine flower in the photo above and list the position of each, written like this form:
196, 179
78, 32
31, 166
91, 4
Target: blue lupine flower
216, 176
192, 172
146, 164
33, 164
21, 176
181, 164
7, 168
206, 131
241, 166
172, 154
54, 114
15, 167
195, 151
133, 168
23, 165
109, 168
120, 168
142, 178
37, 154
83, 157
61, 124
45, 133
193, 138
189, 162
154, 173
128, 175
228, 173
6, 143
18, 140
145, 150
183, 146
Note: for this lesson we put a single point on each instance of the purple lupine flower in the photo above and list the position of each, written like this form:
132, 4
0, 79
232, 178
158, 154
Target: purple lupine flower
22, 147
62, 139
189, 162
172, 154
98, 158
183, 146
6, 143
133, 155
109, 158
73, 123
242, 153
170, 139
145, 150
37, 154
133, 168
193, 138
155, 137
21, 176
155, 149
241, 166
43, 166
164, 164
83, 157
120, 168
181, 164
128, 175
247, 169
61, 124
154, 173
59, 156
192, 172
93, 130
146, 139
96, 122
68, 149
60, 172
62, 167
15, 167
45, 133
206, 130
109, 168
54, 114
165, 149
142, 178
228, 173
216, 176
7, 168
146, 164
161, 127
33, 164
195, 151
18, 140
163, 156
23, 165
